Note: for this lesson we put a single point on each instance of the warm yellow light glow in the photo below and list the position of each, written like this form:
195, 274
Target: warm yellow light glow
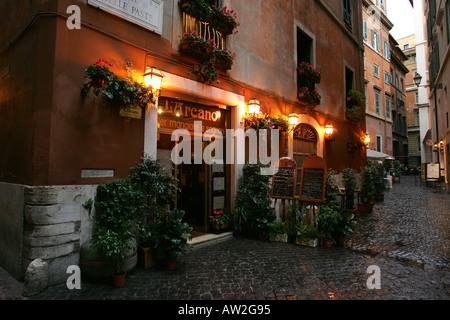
367, 139
329, 129
254, 106
293, 119
153, 78
160, 111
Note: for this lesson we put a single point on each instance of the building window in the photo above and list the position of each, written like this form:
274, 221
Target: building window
417, 118
387, 50
379, 145
304, 54
365, 35
348, 13
377, 102
447, 16
388, 107
375, 40
406, 46
376, 70
387, 77
417, 97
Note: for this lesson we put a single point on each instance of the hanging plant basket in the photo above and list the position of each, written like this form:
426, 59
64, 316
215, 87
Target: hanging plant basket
306, 98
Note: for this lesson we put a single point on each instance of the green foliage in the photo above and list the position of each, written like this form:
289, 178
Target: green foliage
294, 219
205, 72
350, 185
331, 188
327, 219
278, 227
367, 189
343, 226
158, 188
96, 72
127, 91
357, 97
253, 201
119, 209
378, 177
171, 235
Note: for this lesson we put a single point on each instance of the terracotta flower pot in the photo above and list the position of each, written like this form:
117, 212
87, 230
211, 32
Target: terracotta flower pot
119, 279
171, 265
326, 243
98, 82
365, 207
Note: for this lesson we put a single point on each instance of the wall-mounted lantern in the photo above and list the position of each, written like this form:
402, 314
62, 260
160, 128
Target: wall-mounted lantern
293, 119
366, 139
153, 78
254, 107
329, 132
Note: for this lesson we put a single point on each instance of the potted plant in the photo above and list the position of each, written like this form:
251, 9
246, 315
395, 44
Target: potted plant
158, 188
397, 170
98, 74
198, 9
223, 20
205, 72
350, 185
170, 238
344, 226
306, 70
253, 203
331, 187
378, 180
366, 196
278, 231
327, 220
127, 91
197, 47
311, 97
119, 205
356, 98
307, 236
353, 113
220, 220
224, 58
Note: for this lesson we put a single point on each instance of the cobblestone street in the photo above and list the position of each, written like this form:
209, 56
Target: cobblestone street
406, 236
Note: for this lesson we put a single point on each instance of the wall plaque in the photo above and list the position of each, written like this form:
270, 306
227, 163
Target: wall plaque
145, 13
312, 183
97, 173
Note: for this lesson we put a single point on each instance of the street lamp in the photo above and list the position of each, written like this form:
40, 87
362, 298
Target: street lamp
417, 81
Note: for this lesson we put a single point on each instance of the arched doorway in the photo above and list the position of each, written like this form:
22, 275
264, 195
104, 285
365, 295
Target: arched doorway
305, 140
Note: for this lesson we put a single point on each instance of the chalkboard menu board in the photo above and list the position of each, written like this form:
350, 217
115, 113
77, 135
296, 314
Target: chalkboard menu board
312, 186
283, 180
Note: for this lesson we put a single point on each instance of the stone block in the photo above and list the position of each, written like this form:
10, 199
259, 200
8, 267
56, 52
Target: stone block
51, 252
36, 278
52, 214
41, 196
58, 268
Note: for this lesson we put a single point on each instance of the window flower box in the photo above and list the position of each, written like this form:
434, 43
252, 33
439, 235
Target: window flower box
310, 97
308, 72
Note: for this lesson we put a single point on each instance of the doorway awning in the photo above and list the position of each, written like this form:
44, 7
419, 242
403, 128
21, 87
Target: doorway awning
372, 154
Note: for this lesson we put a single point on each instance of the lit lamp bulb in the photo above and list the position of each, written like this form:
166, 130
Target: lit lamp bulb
329, 129
153, 78
254, 106
367, 139
293, 119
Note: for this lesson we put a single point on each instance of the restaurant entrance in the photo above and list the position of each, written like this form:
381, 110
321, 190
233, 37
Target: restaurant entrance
202, 185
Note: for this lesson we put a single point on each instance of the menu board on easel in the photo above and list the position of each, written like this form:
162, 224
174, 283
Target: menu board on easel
312, 182
283, 180
433, 171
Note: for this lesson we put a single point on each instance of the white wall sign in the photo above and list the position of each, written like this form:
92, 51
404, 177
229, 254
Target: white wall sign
97, 173
146, 13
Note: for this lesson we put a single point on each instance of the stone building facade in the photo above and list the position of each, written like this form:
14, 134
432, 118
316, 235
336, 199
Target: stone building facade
57, 146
